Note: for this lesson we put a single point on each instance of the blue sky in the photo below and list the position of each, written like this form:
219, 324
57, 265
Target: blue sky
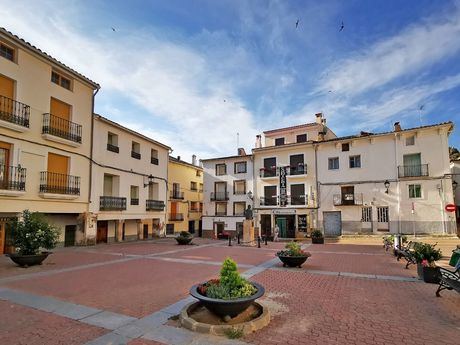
193, 74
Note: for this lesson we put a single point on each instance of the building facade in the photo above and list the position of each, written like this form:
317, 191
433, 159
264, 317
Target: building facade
185, 198
228, 190
455, 171
129, 185
45, 139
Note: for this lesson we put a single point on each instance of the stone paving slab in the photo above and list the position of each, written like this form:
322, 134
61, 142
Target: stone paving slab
109, 339
108, 320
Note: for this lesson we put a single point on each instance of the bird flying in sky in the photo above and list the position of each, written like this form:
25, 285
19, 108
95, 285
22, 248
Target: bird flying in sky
342, 27
113, 29
297, 23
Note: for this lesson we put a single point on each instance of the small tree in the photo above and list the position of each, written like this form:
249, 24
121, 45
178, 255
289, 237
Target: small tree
32, 233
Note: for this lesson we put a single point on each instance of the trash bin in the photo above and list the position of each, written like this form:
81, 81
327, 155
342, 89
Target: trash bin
455, 257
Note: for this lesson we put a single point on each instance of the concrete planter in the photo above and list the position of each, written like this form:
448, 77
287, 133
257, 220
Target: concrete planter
28, 260
292, 261
184, 240
317, 240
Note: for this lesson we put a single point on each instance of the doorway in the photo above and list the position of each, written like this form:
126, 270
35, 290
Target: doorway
332, 223
286, 224
170, 229
69, 237
219, 228
191, 226
200, 228
146, 231
383, 218
102, 230
266, 226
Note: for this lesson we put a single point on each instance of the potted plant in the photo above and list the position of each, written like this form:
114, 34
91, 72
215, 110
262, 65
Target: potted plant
184, 238
30, 235
293, 255
229, 295
425, 255
317, 237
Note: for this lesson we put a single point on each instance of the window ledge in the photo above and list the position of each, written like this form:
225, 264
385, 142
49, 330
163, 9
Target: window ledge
13, 193
58, 196
60, 140
13, 126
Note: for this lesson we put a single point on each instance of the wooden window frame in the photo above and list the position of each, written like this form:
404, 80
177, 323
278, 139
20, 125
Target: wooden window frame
245, 167
220, 203
301, 135
280, 138
62, 76
234, 186
13, 48
238, 202
225, 169
329, 160
412, 190
350, 158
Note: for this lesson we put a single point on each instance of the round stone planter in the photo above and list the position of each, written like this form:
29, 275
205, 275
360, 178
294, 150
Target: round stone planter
28, 260
184, 240
292, 261
317, 240
231, 307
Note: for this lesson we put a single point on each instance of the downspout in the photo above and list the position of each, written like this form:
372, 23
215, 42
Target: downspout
398, 187
317, 186
90, 185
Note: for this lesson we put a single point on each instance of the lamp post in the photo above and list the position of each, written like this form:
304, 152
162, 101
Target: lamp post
150, 179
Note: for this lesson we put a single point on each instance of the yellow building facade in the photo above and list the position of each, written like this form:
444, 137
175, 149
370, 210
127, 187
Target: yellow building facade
185, 198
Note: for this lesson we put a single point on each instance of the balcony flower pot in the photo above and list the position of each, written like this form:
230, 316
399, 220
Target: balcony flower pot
317, 237
28, 260
293, 255
229, 295
184, 238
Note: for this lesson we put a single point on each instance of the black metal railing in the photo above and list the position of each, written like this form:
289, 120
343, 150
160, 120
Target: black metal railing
14, 112
268, 201
268, 172
300, 169
413, 170
135, 154
56, 183
239, 192
61, 128
348, 199
221, 213
219, 196
113, 148
176, 216
194, 188
177, 195
238, 213
154, 160
154, 205
112, 203
134, 202
12, 178
297, 200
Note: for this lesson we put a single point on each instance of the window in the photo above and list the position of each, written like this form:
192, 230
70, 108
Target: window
193, 186
269, 168
302, 138
298, 194
195, 206
198, 173
269, 198
348, 195
279, 141
240, 167
333, 163
296, 165
134, 193
154, 156
201, 188
366, 214
135, 150
345, 147
7, 52
382, 214
238, 208
355, 161
112, 142
239, 187
221, 169
221, 208
410, 140
59, 79
415, 191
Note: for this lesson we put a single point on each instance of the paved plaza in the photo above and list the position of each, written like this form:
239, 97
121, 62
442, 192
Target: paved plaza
348, 292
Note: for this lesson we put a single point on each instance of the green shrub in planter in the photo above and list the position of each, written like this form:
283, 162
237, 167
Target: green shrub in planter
426, 253
33, 233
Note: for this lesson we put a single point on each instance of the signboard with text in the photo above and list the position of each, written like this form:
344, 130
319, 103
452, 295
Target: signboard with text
283, 187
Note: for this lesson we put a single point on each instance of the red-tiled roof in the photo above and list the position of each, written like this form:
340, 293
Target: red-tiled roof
305, 125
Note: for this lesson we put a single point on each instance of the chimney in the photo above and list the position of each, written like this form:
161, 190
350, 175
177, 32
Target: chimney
397, 127
258, 141
241, 152
194, 159
319, 118
178, 158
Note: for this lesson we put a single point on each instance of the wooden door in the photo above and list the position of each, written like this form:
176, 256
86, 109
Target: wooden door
146, 231
282, 225
6, 87
69, 238
2, 237
58, 167
102, 230
60, 121
6, 98
174, 208
4, 164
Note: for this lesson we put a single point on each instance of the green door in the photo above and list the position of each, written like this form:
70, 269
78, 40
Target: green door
282, 226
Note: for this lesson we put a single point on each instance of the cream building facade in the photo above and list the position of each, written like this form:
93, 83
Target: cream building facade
185, 198
129, 184
45, 139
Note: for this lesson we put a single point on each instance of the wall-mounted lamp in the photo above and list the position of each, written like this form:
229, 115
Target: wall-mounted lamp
250, 195
150, 179
387, 185
454, 185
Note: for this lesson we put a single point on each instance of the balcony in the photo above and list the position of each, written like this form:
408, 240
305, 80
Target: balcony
219, 196
12, 178
113, 148
61, 128
112, 203
135, 155
300, 169
134, 202
269, 201
154, 160
268, 172
177, 195
348, 199
14, 112
154, 205
221, 213
413, 170
55, 183
176, 217
298, 200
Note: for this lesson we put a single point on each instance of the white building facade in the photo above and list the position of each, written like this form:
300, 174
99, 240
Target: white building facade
228, 190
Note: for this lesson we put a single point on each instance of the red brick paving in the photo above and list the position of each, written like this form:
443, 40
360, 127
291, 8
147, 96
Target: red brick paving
135, 288
25, 326
144, 342
317, 309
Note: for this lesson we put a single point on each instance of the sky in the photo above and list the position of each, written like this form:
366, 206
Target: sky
206, 76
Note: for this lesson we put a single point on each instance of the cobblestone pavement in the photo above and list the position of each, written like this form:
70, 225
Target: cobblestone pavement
345, 293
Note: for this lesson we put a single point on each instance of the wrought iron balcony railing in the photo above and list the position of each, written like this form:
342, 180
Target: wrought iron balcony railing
134, 202
219, 196
12, 178
154, 205
135, 155
113, 148
176, 216
177, 195
348, 199
55, 183
269, 201
154, 160
300, 169
14, 112
221, 213
112, 203
268, 172
61, 128
413, 170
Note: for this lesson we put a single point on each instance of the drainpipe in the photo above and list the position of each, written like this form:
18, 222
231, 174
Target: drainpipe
318, 184
398, 186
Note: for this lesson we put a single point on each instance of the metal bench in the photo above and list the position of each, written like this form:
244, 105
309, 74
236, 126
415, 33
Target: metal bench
449, 280
407, 253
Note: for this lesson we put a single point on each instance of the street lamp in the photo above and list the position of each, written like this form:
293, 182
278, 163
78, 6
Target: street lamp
150, 179
387, 185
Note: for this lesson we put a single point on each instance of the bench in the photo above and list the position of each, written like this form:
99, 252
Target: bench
449, 280
407, 253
